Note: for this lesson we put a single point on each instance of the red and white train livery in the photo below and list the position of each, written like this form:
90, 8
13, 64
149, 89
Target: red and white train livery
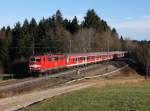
45, 63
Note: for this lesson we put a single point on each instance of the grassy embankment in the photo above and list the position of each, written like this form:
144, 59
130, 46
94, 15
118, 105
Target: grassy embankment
127, 97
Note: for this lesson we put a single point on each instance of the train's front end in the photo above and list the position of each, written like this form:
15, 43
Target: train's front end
35, 64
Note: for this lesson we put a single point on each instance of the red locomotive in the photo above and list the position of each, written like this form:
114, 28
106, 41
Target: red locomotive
44, 63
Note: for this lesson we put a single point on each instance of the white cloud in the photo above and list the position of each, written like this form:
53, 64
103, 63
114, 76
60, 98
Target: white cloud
136, 28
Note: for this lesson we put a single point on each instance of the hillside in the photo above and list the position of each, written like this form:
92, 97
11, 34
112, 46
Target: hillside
127, 92
126, 97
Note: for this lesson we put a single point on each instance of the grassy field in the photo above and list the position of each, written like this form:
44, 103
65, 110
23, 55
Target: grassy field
129, 97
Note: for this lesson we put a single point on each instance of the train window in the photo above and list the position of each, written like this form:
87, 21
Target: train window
80, 58
92, 57
76, 59
53, 59
61, 58
83, 58
35, 59
32, 59
56, 58
38, 59
70, 59
49, 59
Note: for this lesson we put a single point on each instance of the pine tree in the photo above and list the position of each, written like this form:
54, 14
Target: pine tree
74, 26
5, 43
16, 36
67, 24
91, 20
115, 42
25, 43
34, 35
58, 17
122, 43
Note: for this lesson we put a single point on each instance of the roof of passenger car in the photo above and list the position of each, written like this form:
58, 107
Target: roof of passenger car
79, 54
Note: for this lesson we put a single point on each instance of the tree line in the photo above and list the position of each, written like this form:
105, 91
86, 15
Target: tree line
56, 34
139, 52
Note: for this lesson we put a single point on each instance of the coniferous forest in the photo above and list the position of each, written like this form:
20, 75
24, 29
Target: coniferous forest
57, 34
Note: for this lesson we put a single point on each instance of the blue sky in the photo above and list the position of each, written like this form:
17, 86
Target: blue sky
130, 17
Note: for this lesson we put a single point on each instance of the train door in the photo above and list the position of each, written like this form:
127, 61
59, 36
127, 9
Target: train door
86, 60
77, 60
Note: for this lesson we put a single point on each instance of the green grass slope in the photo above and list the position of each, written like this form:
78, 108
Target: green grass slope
129, 97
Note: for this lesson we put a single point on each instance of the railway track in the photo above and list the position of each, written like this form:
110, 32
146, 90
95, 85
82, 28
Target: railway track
14, 81
30, 79
19, 102
32, 84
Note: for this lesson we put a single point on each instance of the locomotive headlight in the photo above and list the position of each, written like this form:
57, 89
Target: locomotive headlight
35, 66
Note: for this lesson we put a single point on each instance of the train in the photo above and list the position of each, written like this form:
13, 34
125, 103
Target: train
49, 62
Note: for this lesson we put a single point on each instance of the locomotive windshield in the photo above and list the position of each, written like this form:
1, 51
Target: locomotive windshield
35, 59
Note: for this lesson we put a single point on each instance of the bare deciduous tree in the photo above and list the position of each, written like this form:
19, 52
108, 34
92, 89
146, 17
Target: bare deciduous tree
83, 39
